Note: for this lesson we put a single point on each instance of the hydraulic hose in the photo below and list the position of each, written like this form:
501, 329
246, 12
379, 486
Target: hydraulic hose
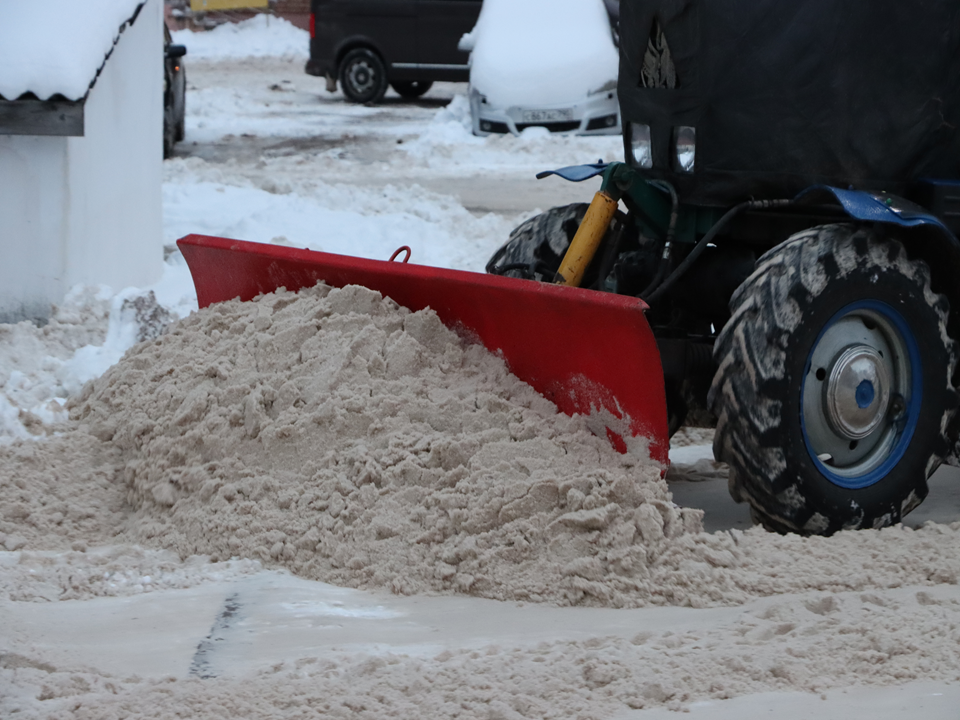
698, 249
664, 265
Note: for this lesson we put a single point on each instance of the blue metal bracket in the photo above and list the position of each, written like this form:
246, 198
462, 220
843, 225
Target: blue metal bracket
576, 173
875, 207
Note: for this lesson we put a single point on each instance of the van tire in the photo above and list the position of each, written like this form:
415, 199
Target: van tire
363, 76
411, 89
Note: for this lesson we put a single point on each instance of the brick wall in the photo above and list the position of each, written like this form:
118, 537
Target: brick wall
293, 6
296, 11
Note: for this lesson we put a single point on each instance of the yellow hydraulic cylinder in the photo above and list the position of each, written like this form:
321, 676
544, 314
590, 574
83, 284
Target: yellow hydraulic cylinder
587, 240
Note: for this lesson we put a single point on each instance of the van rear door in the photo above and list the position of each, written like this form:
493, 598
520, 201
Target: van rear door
389, 25
440, 25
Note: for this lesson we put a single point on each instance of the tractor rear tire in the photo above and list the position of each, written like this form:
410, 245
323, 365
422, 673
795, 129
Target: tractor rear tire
833, 393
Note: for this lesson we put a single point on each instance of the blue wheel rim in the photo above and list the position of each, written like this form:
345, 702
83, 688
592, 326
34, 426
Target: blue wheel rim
905, 426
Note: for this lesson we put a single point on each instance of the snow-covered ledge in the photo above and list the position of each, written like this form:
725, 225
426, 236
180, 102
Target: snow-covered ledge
81, 209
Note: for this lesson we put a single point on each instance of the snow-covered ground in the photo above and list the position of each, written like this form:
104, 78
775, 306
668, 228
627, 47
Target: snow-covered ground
270, 156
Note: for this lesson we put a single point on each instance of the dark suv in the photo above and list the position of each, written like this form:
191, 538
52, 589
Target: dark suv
407, 44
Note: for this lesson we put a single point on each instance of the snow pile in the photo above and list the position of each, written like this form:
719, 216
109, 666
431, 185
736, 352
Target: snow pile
447, 142
51, 47
260, 36
450, 126
357, 443
41, 367
34, 371
351, 441
542, 52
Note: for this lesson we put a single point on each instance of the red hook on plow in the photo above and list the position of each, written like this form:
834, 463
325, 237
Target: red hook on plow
402, 248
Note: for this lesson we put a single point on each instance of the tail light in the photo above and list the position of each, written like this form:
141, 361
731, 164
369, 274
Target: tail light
313, 26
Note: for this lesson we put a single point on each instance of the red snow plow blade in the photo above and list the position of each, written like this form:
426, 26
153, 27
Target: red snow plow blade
590, 353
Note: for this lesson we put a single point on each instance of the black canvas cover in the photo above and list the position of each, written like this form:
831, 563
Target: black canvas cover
785, 94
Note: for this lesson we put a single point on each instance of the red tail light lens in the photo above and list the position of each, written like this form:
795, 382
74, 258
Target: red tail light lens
313, 25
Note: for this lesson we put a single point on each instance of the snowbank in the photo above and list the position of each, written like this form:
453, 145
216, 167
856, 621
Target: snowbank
41, 367
51, 47
542, 52
447, 144
348, 440
260, 36
302, 211
354, 442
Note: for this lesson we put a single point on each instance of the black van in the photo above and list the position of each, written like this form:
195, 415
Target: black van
407, 44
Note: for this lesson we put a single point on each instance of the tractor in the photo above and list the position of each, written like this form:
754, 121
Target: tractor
777, 256
788, 210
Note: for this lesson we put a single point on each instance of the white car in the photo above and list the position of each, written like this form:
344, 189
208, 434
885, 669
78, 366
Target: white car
545, 63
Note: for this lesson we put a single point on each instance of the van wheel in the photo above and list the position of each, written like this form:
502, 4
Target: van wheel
363, 76
833, 393
411, 89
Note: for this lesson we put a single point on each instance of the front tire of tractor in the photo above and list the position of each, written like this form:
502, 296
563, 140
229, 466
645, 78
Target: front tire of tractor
833, 393
536, 246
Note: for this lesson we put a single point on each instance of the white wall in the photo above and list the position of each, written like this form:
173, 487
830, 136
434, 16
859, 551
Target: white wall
88, 210
32, 225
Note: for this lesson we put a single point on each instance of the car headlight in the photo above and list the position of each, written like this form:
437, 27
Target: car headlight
685, 141
641, 148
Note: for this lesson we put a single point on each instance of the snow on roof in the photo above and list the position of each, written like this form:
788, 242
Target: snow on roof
542, 52
57, 47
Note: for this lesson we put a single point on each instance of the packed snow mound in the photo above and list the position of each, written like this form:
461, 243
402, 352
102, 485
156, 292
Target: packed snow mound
349, 440
260, 36
355, 442
542, 52
56, 47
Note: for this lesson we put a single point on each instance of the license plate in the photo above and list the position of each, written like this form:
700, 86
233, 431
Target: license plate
539, 116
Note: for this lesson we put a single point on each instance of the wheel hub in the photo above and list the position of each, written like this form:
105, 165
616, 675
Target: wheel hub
361, 76
857, 392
